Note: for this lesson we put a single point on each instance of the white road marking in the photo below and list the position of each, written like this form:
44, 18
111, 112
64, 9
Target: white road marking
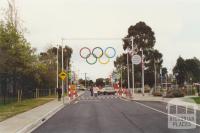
166, 113
75, 102
103, 97
124, 99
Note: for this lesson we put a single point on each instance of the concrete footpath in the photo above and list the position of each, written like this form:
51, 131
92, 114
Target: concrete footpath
28, 121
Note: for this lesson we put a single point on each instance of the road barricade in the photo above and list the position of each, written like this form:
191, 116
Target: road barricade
120, 92
124, 91
72, 92
75, 94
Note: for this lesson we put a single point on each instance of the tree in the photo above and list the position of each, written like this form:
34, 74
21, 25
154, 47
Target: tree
164, 71
143, 37
121, 65
193, 69
100, 82
16, 54
49, 59
88, 82
180, 71
187, 70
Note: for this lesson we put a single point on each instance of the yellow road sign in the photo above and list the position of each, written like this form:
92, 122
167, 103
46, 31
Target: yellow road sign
62, 75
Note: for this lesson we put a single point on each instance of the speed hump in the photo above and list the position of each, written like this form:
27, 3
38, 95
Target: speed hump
62, 75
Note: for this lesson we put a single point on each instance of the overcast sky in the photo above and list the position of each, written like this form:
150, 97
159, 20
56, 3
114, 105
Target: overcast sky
176, 24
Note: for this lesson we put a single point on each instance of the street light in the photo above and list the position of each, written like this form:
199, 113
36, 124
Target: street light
176, 74
142, 71
57, 68
133, 77
127, 51
62, 71
166, 81
155, 73
121, 69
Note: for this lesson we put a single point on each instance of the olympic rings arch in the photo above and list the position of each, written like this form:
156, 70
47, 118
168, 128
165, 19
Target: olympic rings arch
97, 57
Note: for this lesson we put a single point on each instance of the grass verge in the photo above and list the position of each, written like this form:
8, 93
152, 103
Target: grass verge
12, 109
196, 99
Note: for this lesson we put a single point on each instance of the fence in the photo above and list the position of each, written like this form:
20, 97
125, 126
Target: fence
6, 96
9, 94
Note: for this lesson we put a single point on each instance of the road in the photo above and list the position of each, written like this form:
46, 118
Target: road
110, 114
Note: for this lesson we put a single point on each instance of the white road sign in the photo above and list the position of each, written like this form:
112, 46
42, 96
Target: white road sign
136, 59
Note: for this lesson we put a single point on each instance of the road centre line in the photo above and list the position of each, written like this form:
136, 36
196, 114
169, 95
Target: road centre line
165, 113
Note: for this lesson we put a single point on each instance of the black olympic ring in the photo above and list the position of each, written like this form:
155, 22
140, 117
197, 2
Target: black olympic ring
95, 54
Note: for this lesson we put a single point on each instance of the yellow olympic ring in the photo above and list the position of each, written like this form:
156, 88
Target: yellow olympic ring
106, 62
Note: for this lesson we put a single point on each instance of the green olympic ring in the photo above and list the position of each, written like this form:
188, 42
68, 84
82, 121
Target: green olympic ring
91, 63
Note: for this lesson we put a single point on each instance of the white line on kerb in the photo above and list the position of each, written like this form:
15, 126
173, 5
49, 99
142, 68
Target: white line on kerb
167, 114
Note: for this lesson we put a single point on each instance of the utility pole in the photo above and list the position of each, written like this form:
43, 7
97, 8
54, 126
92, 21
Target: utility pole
128, 70
161, 76
142, 72
67, 78
85, 80
155, 74
57, 69
166, 81
133, 77
121, 77
62, 71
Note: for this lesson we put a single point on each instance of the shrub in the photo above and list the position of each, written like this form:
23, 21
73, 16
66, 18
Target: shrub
157, 94
175, 93
146, 89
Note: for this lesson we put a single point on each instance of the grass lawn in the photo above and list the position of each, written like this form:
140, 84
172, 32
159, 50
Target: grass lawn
196, 99
12, 109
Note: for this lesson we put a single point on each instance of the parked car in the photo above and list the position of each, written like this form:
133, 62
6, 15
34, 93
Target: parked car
109, 90
101, 91
81, 87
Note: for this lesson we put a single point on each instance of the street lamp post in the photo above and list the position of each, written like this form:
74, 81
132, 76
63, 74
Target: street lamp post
67, 78
161, 78
128, 70
57, 69
166, 81
176, 74
121, 69
155, 73
142, 71
121, 78
62, 71
133, 77
85, 80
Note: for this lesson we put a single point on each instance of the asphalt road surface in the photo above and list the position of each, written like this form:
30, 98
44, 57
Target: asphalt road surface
110, 114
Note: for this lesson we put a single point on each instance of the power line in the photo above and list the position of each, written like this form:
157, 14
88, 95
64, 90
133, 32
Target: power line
88, 39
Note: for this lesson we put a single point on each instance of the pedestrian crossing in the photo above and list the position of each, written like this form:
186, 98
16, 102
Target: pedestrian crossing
101, 97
